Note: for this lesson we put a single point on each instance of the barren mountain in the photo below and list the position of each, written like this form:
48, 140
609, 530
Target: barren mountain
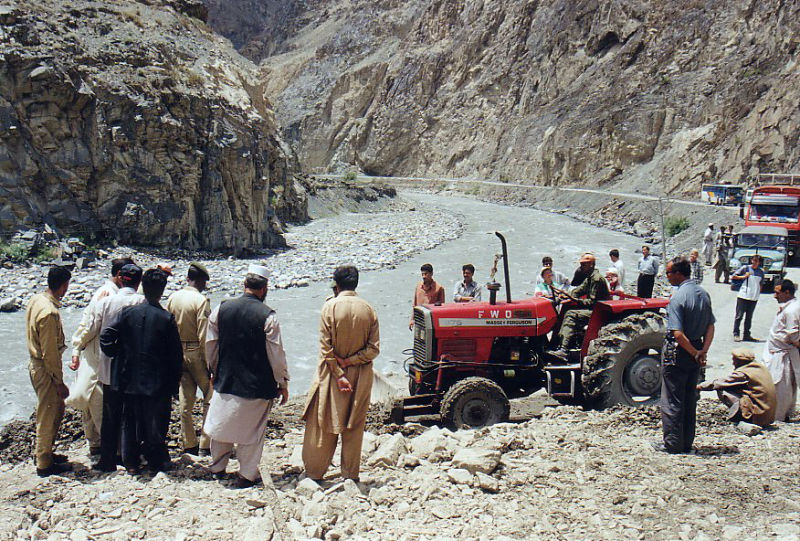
651, 95
137, 119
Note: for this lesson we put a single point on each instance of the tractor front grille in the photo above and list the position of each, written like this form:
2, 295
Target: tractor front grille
423, 336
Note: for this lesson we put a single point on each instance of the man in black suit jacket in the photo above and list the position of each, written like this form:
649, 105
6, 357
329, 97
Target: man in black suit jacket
147, 363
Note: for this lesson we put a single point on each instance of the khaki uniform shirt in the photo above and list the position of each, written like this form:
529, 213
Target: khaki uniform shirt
45, 334
348, 328
191, 310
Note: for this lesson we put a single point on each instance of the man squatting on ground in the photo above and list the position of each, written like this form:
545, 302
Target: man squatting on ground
145, 372
467, 290
690, 331
45, 337
106, 314
338, 400
780, 351
86, 394
748, 391
246, 359
191, 310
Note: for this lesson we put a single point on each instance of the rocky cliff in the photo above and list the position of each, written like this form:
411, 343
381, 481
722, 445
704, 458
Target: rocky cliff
136, 119
648, 95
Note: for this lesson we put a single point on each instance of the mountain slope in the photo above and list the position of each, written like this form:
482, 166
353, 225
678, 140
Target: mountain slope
135, 119
648, 95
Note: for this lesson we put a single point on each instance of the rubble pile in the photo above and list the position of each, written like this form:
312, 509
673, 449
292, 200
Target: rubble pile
570, 474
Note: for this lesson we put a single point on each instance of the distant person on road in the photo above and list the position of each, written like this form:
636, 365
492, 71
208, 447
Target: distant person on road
708, 244
721, 256
467, 290
148, 360
594, 288
86, 395
560, 280
748, 391
45, 337
191, 310
697, 268
338, 401
690, 331
614, 256
780, 352
752, 277
428, 291
247, 362
648, 268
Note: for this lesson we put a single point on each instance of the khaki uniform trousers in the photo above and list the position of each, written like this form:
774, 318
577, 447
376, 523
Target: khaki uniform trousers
195, 374
49, 412
319, 446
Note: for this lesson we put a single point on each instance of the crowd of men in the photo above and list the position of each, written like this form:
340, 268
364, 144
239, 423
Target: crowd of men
134, 355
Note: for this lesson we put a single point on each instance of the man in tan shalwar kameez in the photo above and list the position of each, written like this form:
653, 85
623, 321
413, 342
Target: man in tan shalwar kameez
338, 400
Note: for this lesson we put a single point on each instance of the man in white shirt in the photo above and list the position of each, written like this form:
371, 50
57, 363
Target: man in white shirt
781, 354
86, 395
708, 244
614, 255
751, 276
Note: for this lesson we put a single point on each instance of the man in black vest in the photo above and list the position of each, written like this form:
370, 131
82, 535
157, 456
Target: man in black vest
245, 357
148, 361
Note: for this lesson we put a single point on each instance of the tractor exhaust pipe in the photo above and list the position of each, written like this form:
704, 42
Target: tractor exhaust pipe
505, 268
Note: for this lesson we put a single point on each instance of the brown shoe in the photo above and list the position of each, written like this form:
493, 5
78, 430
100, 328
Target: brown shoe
54, 469
243, 482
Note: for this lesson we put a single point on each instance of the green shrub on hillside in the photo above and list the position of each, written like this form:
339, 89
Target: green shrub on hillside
675, 224
15, 252
350, 175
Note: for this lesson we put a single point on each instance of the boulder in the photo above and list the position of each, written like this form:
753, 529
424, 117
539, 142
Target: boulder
307, 487
477, 460
9, 304
459, 476
389, 452
487, 482
748, 429
432, 441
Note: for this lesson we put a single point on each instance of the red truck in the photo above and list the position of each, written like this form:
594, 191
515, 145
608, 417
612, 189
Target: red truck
776, 205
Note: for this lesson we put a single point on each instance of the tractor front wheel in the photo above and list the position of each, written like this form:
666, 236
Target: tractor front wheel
474, 403
623, 365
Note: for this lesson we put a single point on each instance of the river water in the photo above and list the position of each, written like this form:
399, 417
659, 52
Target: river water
531, 234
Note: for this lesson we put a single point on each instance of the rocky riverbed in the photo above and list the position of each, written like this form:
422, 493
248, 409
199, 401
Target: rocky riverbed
567, 474
369, 240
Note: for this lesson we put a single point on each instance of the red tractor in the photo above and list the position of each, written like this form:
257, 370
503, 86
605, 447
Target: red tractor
471, 358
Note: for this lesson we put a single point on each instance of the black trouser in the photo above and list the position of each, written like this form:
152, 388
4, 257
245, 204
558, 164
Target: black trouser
679, 402
144, 430
110, 427
743, 308
644, 285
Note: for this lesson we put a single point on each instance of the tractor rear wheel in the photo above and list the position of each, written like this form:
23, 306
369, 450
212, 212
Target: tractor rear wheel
474, 403
623, 365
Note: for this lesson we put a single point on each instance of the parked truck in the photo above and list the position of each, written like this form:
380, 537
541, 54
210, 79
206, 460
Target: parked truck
776, 206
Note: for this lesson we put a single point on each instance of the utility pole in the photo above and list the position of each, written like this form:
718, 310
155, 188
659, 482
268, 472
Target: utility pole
663, 230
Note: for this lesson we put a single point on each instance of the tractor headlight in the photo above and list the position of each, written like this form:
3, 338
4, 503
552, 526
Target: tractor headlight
777, 266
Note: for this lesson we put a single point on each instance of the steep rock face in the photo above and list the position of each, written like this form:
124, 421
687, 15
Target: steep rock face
137, 120
647, 95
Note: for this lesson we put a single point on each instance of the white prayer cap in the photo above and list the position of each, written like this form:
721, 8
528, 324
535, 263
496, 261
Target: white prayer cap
258, 270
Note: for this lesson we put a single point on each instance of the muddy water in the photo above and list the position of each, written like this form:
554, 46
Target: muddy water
531, 234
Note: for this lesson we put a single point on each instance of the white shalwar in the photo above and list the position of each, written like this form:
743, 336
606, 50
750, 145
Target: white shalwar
782, 357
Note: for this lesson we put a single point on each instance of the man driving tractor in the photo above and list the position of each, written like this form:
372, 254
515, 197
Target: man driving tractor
594, 288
